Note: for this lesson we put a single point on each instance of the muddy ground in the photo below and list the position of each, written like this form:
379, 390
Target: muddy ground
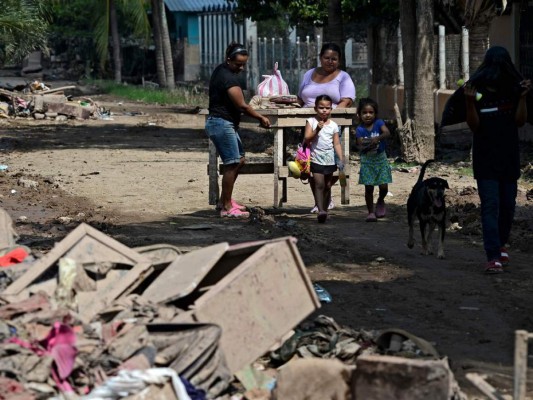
142, 179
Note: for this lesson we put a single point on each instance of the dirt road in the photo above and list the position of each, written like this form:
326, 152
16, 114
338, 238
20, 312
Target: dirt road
142, 178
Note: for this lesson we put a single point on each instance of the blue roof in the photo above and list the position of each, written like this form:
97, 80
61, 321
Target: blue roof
197, 5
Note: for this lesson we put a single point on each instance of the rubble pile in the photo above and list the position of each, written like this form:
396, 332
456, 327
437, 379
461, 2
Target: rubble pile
37, 100
95, 319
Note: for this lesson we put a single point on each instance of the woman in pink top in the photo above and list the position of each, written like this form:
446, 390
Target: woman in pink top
327, 79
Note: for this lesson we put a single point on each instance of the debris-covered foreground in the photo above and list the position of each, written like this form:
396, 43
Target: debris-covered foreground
95, 319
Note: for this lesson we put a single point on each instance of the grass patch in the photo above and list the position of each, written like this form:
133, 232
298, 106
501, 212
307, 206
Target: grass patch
181, 96
404, 164
465, 171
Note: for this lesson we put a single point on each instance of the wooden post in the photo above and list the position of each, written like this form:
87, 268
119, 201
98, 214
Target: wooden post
213, 174
520, 364
278, 163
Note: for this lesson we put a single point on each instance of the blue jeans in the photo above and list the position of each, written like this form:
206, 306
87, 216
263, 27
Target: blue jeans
225, 138
498, 201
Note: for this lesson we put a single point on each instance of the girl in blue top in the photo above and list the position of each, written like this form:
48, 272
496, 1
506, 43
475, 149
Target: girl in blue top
375, 169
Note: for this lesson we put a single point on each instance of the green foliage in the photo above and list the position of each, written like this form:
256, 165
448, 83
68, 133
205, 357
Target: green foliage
179, 96
71, 19
23, 29
315, 12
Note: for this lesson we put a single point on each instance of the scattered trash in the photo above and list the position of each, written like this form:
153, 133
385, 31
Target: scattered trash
323, 294
3, 167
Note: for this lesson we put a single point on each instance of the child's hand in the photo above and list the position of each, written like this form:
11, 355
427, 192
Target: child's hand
320, 125
526, 86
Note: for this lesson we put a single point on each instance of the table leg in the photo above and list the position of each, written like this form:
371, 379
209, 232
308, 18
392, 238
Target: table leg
345, 191
212, 170
278, 163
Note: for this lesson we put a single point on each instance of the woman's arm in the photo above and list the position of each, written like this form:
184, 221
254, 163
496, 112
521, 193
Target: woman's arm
345, 103
236, 96
346, 90
521, 110
472, 117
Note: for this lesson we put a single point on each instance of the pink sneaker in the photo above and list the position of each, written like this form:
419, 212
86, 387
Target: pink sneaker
234, 204
380, 209
234, 213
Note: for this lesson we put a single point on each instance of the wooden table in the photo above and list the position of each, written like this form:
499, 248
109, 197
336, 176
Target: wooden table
283, 118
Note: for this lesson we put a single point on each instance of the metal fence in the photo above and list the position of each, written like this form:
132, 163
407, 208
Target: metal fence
295, 57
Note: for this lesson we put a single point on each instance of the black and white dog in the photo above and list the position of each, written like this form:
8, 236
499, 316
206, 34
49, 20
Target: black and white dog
427, 203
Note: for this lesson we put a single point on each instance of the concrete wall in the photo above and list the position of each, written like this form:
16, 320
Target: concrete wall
504, 31
191, 70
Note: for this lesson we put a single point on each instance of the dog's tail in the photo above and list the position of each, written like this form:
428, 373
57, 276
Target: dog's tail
423, 170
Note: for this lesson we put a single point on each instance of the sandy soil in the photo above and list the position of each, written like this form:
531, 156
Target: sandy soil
142, 178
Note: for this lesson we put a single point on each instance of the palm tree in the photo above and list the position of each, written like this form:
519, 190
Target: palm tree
23, 29
158, 40
107, 22
163, 47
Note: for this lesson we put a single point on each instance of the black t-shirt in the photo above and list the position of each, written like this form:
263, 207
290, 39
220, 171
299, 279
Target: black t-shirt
495, 150
220, 104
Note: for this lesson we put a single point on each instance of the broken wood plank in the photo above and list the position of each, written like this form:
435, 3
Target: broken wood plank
86, 245
258, 302
184, 274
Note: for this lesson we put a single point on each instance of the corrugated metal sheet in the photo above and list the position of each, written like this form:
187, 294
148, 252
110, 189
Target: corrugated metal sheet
196, 5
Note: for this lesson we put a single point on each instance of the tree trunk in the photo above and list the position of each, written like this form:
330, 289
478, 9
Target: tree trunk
159, 56
167, 47
478, 42
335, 28
417, 135
113, 24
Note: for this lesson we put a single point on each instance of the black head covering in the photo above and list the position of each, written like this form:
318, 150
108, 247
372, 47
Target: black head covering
497, 71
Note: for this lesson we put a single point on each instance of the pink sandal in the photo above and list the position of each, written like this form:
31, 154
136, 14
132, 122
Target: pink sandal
234, 204
235, 212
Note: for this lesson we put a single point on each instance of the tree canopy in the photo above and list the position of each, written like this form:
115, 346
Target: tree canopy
24, 28
313, 12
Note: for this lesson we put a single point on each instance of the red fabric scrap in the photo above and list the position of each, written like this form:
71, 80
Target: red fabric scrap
15, 256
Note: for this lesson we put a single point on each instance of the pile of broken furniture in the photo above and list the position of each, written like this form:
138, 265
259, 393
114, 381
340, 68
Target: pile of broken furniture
95, 319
